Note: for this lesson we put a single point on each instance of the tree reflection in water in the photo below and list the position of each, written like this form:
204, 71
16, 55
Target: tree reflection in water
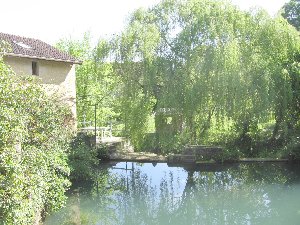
131, 193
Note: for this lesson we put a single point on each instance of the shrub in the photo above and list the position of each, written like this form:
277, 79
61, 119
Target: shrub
82, 158
34, 139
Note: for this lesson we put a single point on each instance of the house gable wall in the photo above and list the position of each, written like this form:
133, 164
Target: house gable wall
57, 77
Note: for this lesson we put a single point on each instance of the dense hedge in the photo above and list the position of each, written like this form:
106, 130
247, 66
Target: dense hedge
34, 140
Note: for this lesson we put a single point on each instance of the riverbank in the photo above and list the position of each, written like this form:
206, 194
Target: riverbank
137, 157
121, 150
147, 157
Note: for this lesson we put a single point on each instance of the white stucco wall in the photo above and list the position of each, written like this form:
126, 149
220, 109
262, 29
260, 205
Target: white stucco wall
57, 77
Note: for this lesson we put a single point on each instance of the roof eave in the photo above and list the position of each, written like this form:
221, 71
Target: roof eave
44, 58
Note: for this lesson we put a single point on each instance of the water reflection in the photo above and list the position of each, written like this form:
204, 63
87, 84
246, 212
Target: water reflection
132, 193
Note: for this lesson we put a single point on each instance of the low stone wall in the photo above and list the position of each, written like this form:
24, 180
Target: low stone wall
203, 152
204, 156
181, 159
189, 155
193, 153
137, 157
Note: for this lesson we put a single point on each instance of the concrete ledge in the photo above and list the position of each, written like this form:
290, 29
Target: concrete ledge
177, 159
137, 157
202, 152
262, 160
181, 159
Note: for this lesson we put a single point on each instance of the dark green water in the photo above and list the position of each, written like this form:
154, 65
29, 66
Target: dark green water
137, 194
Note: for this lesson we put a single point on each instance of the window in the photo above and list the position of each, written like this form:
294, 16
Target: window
21, 44
35, 69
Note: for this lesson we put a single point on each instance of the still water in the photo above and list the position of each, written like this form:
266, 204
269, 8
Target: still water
142, 194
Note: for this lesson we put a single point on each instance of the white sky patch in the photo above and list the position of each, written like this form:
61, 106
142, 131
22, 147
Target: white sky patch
51, 20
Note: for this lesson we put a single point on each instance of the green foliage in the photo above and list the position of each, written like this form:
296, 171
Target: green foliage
80, 49
206, 71
205, 63
34, 134
96, 83
291, 11
82, 158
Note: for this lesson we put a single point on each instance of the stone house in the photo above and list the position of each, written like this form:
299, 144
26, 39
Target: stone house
55, 69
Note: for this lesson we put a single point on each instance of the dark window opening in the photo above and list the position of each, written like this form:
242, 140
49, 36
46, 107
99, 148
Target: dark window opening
35, 69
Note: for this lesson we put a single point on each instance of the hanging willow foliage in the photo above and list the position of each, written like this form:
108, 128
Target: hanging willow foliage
207, 63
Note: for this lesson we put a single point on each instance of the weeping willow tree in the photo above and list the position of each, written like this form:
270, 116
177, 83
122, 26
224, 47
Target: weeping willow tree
202, 68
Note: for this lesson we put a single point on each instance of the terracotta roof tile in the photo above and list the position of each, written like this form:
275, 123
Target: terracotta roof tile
34, 48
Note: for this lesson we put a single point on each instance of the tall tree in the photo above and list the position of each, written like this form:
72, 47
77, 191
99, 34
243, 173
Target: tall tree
291, 11
95, 81
204, 63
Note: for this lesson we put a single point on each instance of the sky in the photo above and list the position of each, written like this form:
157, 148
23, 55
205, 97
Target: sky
51, 20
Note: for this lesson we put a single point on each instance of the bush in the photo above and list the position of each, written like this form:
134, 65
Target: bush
82, 158
34, 139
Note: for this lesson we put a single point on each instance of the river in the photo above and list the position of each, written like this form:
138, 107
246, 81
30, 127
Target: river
136, 194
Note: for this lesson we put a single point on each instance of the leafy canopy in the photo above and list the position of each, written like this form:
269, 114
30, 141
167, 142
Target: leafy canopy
209, 64
291, 11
